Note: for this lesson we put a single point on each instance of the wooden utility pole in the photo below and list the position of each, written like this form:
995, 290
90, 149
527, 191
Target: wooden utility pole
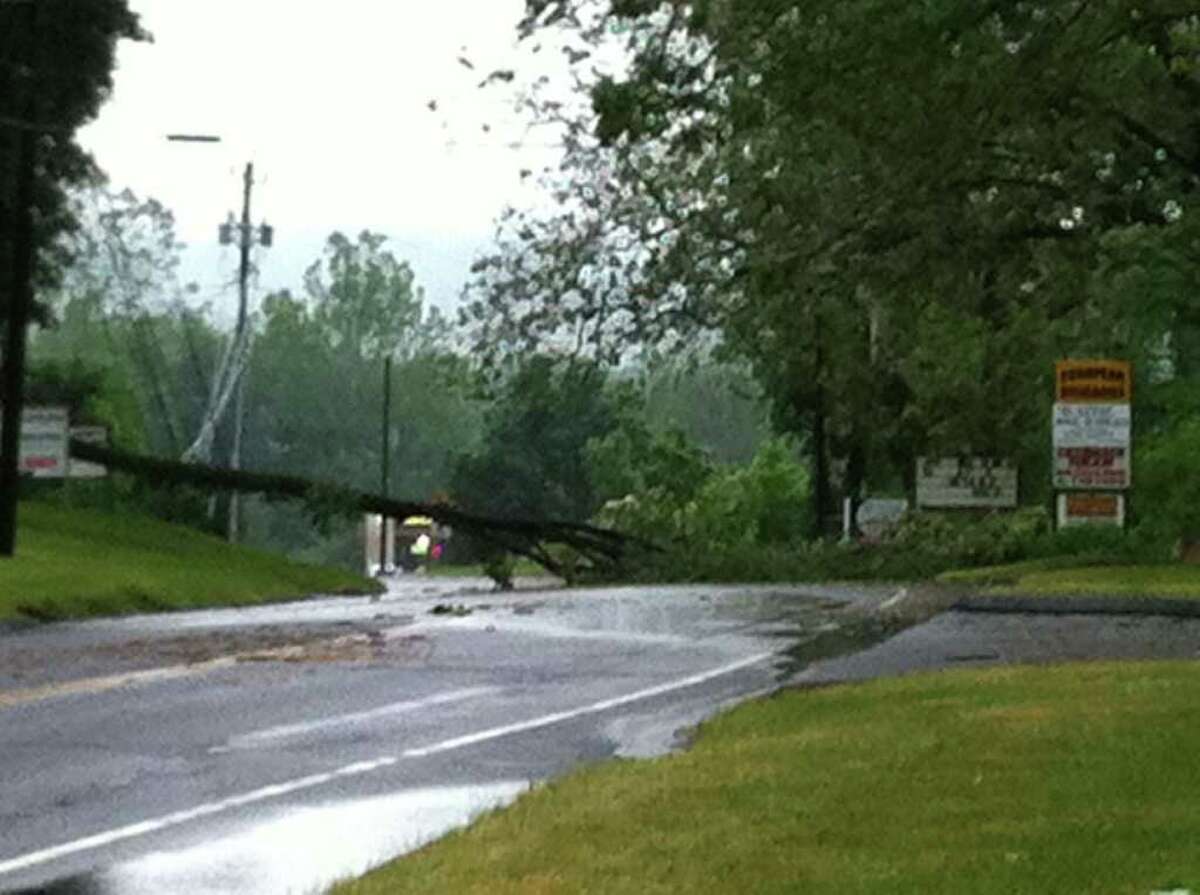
246, 240
20, 306
247, 236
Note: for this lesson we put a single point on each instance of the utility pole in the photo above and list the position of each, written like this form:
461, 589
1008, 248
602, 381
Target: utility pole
386, 453
20, 305
247, 236
239, 407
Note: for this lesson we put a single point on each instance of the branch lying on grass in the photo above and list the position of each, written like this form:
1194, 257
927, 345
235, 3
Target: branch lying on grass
602, 548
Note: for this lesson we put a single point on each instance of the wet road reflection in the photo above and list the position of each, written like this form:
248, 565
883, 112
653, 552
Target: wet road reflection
538, 680
300, 850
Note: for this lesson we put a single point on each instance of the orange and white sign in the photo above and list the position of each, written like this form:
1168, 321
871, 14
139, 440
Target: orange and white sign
1093, 381
1084, 508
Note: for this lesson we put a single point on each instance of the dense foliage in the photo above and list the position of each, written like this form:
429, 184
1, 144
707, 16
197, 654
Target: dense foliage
881, 224
899, 216
56, 61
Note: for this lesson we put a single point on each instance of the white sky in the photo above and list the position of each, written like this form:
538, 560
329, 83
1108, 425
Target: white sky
329, 100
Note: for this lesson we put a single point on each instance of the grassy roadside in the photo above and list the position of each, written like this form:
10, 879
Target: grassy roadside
1059, 577
73, 563
1077, 778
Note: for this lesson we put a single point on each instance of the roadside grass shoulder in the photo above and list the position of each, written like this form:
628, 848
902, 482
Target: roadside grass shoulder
1068, 576
73, 563
1076, 778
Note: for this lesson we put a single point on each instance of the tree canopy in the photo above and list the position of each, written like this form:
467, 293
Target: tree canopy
56, 59
899, 215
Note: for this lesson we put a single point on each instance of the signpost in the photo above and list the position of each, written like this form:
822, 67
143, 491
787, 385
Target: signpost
1092, 439
43, 446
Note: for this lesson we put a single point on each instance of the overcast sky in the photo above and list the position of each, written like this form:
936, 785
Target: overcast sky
330, 102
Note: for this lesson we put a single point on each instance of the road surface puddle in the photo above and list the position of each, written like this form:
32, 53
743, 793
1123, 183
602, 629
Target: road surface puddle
301, 850
664, 614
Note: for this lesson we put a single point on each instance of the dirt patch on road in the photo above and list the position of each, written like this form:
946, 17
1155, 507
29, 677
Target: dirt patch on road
36, 665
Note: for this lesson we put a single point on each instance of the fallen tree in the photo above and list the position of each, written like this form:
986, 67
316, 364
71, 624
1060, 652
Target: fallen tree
601, 550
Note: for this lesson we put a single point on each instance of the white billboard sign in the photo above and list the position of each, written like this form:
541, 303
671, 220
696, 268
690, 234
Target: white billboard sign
966, 483
43, 452
1092, 446
1092, 425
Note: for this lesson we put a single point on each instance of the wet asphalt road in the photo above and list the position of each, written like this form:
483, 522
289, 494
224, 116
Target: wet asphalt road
963, 639
277, 749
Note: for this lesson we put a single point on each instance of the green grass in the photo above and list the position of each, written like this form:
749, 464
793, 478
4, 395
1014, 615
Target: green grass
1079, 779
1049, 578
73, 563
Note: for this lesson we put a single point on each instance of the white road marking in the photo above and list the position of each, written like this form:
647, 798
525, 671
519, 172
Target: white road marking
258, 737
208, 809
602, 706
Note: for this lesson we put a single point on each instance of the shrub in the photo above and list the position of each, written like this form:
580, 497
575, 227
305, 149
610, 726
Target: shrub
1168, 481
763, 503
975, 540
760, 504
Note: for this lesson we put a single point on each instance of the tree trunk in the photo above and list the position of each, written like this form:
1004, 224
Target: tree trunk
856, 474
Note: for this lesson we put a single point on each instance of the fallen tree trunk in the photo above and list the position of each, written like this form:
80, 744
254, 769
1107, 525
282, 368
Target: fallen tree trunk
603, 548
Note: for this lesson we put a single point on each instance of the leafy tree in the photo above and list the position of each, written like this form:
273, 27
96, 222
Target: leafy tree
153, 368
315, 390
724, 510
899, 216
121, 300
630, 459
715, 404
56, 59
531, 463
365, 301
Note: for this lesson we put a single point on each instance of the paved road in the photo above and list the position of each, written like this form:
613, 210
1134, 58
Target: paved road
962, 639
276, 749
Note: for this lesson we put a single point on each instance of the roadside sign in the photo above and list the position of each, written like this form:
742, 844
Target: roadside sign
43, 452
965, 483
1083, 508
1092, 425
1093, 381
1092, 446
1091, 467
